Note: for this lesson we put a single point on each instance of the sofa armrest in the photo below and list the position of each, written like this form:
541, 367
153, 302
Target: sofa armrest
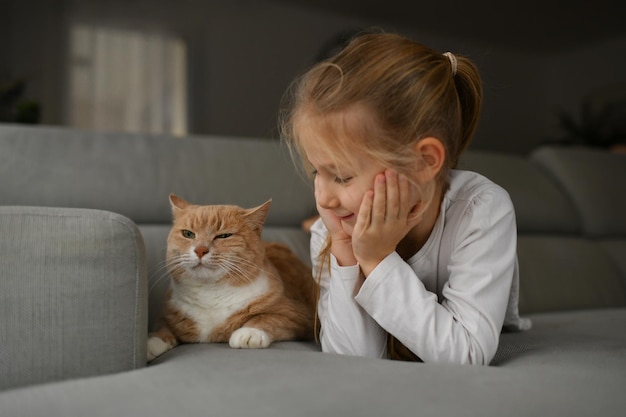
73, 294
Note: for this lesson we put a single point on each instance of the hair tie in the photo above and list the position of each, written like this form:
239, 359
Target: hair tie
452, 59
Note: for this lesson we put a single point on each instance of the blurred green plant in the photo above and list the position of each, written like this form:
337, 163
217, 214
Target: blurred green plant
14, 108
602, 127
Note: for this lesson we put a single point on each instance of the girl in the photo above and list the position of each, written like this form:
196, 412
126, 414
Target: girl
415, 260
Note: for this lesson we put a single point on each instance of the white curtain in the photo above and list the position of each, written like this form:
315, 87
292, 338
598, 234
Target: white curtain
127, 81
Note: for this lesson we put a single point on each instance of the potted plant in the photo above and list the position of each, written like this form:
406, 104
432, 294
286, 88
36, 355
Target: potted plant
14, 108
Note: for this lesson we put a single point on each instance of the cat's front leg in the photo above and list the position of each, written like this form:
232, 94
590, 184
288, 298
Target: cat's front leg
249, 338
160, 342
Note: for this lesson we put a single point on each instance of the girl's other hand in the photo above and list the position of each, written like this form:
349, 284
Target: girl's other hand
308, 223
385, 217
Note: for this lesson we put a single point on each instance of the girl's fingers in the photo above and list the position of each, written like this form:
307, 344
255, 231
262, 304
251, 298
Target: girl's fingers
393, 195
364, 218
380, 200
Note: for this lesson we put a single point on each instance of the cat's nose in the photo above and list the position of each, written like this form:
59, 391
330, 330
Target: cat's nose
201, 251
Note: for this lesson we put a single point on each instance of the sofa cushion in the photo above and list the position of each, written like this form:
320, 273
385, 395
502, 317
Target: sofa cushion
540, 205
566, 273
583, 340
570, 364
73, 294
616, 248
595, 180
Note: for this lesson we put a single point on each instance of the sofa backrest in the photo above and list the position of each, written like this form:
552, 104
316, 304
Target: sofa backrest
541, 206
569, 203
570, 216
133, 174
595, 181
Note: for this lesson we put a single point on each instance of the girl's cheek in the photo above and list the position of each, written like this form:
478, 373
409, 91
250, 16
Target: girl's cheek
414, 194
316, 185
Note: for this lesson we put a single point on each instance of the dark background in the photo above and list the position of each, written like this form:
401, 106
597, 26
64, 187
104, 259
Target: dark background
537, 58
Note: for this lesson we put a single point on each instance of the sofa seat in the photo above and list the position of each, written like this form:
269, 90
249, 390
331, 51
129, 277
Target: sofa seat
571, 364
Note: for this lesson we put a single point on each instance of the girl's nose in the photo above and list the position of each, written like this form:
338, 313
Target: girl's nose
325, 197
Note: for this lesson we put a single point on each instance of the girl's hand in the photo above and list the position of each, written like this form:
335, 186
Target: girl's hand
385, 217
341, 242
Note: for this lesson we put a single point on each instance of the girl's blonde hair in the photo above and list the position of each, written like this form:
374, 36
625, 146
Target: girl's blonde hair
409, 90
403, 91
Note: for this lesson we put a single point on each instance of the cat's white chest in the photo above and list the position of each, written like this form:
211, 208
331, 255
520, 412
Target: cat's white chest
210, 305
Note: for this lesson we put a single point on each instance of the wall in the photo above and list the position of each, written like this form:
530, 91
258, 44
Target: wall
244, 53
32, 43
253, 54
586, 73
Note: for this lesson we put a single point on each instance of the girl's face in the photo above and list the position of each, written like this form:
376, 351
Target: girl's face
339, 188
340, 183
343, 170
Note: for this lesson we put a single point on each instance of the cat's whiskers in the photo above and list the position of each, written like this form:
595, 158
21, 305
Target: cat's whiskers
172, 266
162, 270
164, 274
232, 267
257, 267
236, 266
231, 264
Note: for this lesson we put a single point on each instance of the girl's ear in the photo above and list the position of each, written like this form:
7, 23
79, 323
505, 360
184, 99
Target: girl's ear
433, 155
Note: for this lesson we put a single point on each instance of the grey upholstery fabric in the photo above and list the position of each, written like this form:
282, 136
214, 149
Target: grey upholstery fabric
566, 273
579, 341
134, 176
596, 182
616, 248
158, 277
72, 294
556, 194
540, 206
578, 373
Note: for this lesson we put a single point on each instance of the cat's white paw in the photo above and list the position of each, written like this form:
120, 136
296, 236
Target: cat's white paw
249, 338
157, 347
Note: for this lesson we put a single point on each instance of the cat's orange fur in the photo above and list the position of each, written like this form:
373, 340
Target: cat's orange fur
215, 256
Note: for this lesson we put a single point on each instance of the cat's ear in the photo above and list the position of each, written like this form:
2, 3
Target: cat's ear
178, 204
258, 214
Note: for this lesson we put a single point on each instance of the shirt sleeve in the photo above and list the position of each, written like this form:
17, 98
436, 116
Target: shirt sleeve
345, 327
464, 325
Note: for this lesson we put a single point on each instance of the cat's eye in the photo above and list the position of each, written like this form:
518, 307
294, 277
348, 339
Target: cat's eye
188, 234
223, 236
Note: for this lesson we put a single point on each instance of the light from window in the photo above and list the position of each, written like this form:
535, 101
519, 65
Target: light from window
127, 81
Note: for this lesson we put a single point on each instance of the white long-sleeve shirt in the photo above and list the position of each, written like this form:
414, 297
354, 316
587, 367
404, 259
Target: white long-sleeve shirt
446, 303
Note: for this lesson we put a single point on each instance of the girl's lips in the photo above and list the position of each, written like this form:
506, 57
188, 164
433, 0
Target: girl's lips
346, 218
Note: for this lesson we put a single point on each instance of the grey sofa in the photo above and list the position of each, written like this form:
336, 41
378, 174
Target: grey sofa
83, 220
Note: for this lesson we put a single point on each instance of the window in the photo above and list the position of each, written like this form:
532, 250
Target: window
127, 81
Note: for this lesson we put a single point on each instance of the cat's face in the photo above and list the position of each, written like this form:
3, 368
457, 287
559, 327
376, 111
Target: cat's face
210, 243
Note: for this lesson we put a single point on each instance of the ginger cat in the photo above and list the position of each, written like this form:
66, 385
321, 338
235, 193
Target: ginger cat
228, 285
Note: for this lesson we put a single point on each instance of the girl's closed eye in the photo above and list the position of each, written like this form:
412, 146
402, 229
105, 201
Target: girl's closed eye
338, 179
342, 181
